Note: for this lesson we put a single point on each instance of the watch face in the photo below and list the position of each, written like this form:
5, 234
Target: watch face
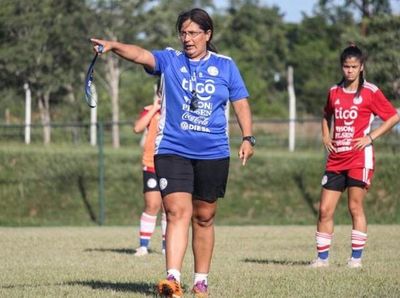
251, 139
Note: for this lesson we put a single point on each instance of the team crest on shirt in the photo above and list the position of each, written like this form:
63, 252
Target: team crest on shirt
357, 100
212, 70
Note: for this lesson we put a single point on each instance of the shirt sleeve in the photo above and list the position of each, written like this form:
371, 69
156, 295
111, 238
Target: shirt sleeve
237, 88
163, 58
381, 106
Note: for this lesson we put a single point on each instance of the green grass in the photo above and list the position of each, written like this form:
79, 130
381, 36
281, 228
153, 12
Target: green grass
58, 186
249, 261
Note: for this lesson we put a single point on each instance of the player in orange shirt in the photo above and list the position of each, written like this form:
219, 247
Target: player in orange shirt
148, 123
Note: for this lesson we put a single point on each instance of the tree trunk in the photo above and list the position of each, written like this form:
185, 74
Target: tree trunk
44, 110
72, 99
365, 16
113, 76
71, 94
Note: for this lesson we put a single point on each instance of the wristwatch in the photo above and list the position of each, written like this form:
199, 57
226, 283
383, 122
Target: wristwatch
250, 139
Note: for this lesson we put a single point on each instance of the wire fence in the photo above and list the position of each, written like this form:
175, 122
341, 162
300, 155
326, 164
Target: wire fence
270, 133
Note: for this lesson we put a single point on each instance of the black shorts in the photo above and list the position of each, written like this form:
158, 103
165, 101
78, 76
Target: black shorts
204, 179
150, 182
339, 181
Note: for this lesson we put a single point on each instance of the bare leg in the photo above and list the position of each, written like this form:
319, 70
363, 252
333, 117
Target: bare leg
359, 232
356, 208
329, 200
148, 220
323, 236
178, 207
203, 234
153, 202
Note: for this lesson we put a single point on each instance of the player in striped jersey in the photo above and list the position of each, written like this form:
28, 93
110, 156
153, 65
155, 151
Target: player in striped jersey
351, 107
148, 123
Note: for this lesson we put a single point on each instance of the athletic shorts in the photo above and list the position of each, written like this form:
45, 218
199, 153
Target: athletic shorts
205, 179
340, 180
150, 182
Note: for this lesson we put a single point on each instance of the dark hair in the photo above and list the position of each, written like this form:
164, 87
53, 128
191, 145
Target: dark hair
200, 17
353, 51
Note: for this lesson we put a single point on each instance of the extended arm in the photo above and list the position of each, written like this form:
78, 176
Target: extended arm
129, 52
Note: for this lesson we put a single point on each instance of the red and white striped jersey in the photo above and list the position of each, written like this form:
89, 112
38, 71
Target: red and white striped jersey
352, 117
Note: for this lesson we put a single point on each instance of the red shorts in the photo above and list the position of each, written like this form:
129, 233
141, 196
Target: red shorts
340, 180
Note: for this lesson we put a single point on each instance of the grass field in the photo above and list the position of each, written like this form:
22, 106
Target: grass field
249, 261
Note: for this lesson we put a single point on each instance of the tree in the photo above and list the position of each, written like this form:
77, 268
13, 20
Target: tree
159, 28
255, 37
122, 21
39, 47
378, 36
314, 48
382, 46
368, 9
316, 45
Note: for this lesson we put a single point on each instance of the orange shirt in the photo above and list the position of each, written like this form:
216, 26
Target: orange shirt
149, 144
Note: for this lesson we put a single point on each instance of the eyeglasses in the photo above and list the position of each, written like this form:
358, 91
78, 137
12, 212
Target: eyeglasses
190, 34
194, 101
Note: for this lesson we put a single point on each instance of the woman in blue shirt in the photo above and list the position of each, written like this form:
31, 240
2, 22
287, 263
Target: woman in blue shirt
192, 146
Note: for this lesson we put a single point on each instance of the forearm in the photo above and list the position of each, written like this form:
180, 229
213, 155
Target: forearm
325, 127
133, 53
385, 127
244, 117
143, 122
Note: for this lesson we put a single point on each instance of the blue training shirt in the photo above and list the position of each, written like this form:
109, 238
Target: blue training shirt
203, 133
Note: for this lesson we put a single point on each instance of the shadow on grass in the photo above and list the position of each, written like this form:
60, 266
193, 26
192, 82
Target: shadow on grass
141, 288
128, 251
132, 287
277, 262
24, 286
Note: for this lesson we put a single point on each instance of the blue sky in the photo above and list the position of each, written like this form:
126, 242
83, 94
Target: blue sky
292, 9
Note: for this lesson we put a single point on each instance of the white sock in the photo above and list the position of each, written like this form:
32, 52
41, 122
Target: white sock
324, 241
200, 277
147, 226
175, 273
358, 240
